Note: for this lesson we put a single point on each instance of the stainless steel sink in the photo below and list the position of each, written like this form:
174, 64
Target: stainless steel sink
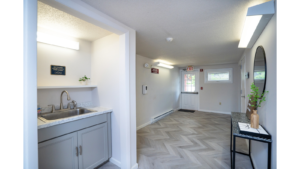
59, 114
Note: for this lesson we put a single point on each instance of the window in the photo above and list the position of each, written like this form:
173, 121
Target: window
218, 75
259, 75
189, 83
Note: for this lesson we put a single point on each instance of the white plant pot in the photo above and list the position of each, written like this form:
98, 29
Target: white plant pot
83, 82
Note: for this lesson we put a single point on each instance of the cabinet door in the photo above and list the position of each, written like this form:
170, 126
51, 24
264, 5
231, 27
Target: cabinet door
59, 153
93, 146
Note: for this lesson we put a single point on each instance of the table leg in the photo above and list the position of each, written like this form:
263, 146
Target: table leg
249, 147
231, 144
269, 155
233, 160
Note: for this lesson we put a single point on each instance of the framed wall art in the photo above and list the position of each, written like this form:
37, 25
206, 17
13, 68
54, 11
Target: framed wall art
57, 70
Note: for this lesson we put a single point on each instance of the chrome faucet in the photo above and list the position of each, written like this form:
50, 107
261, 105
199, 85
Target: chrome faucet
53, 108
61, 102
74, 104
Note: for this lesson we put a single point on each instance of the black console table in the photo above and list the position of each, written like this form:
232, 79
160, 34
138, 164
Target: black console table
235, 132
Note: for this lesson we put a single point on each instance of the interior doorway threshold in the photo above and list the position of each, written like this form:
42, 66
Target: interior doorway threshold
185, 110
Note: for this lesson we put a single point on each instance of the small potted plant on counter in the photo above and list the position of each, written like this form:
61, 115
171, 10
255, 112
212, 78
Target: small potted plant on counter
257, 98
84, 80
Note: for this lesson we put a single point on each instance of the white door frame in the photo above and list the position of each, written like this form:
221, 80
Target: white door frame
242, 63
127, 77
197, 87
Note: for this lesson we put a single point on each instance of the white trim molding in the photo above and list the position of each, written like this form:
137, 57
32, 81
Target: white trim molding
149, 122
213, 111
161, 116
177, 109
135, 166
143, 125
115, 162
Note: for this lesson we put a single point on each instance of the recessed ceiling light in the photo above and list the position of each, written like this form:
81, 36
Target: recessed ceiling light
169, 39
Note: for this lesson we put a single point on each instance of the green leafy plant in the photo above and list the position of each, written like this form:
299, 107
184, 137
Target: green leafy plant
255, 96
84, 78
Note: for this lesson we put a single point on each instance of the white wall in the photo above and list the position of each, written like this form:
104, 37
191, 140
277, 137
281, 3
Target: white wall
52, 96
226, 93
267, 112
105, 74
77, 62
163, 91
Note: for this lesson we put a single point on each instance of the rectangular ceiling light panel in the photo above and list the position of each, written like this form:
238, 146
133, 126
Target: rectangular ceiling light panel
52, 40
250, 25
164, 65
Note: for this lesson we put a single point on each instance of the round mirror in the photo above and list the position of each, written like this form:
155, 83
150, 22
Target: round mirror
260, 69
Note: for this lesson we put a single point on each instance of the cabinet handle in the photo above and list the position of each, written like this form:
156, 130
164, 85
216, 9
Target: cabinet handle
76, 151
80, 150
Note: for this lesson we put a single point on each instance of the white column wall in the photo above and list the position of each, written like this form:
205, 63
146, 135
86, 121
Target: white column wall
30, 145
105, 72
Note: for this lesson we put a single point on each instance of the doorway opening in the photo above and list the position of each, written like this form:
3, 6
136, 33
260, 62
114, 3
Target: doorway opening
189, 90
126, 75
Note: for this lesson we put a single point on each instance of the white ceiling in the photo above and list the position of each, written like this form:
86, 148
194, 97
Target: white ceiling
205, 32
54, 21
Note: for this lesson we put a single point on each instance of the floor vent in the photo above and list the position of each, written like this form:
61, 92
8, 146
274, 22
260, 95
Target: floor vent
155, 119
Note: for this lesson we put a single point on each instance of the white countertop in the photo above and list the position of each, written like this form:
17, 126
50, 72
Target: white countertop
47, 123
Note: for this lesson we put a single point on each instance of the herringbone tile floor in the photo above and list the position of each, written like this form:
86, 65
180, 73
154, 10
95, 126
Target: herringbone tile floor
182, 140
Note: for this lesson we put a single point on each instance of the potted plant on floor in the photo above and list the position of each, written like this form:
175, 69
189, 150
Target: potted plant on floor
257, 98
84, 80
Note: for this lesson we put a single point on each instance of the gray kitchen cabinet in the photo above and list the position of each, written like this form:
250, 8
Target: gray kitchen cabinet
81, 144
59, 153
93, 147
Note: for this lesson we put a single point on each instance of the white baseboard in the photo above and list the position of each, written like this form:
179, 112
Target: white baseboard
135, 166
115, 162
212, 111
149, 122
143, 125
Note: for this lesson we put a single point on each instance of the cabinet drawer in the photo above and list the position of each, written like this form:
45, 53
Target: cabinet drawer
65, 128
